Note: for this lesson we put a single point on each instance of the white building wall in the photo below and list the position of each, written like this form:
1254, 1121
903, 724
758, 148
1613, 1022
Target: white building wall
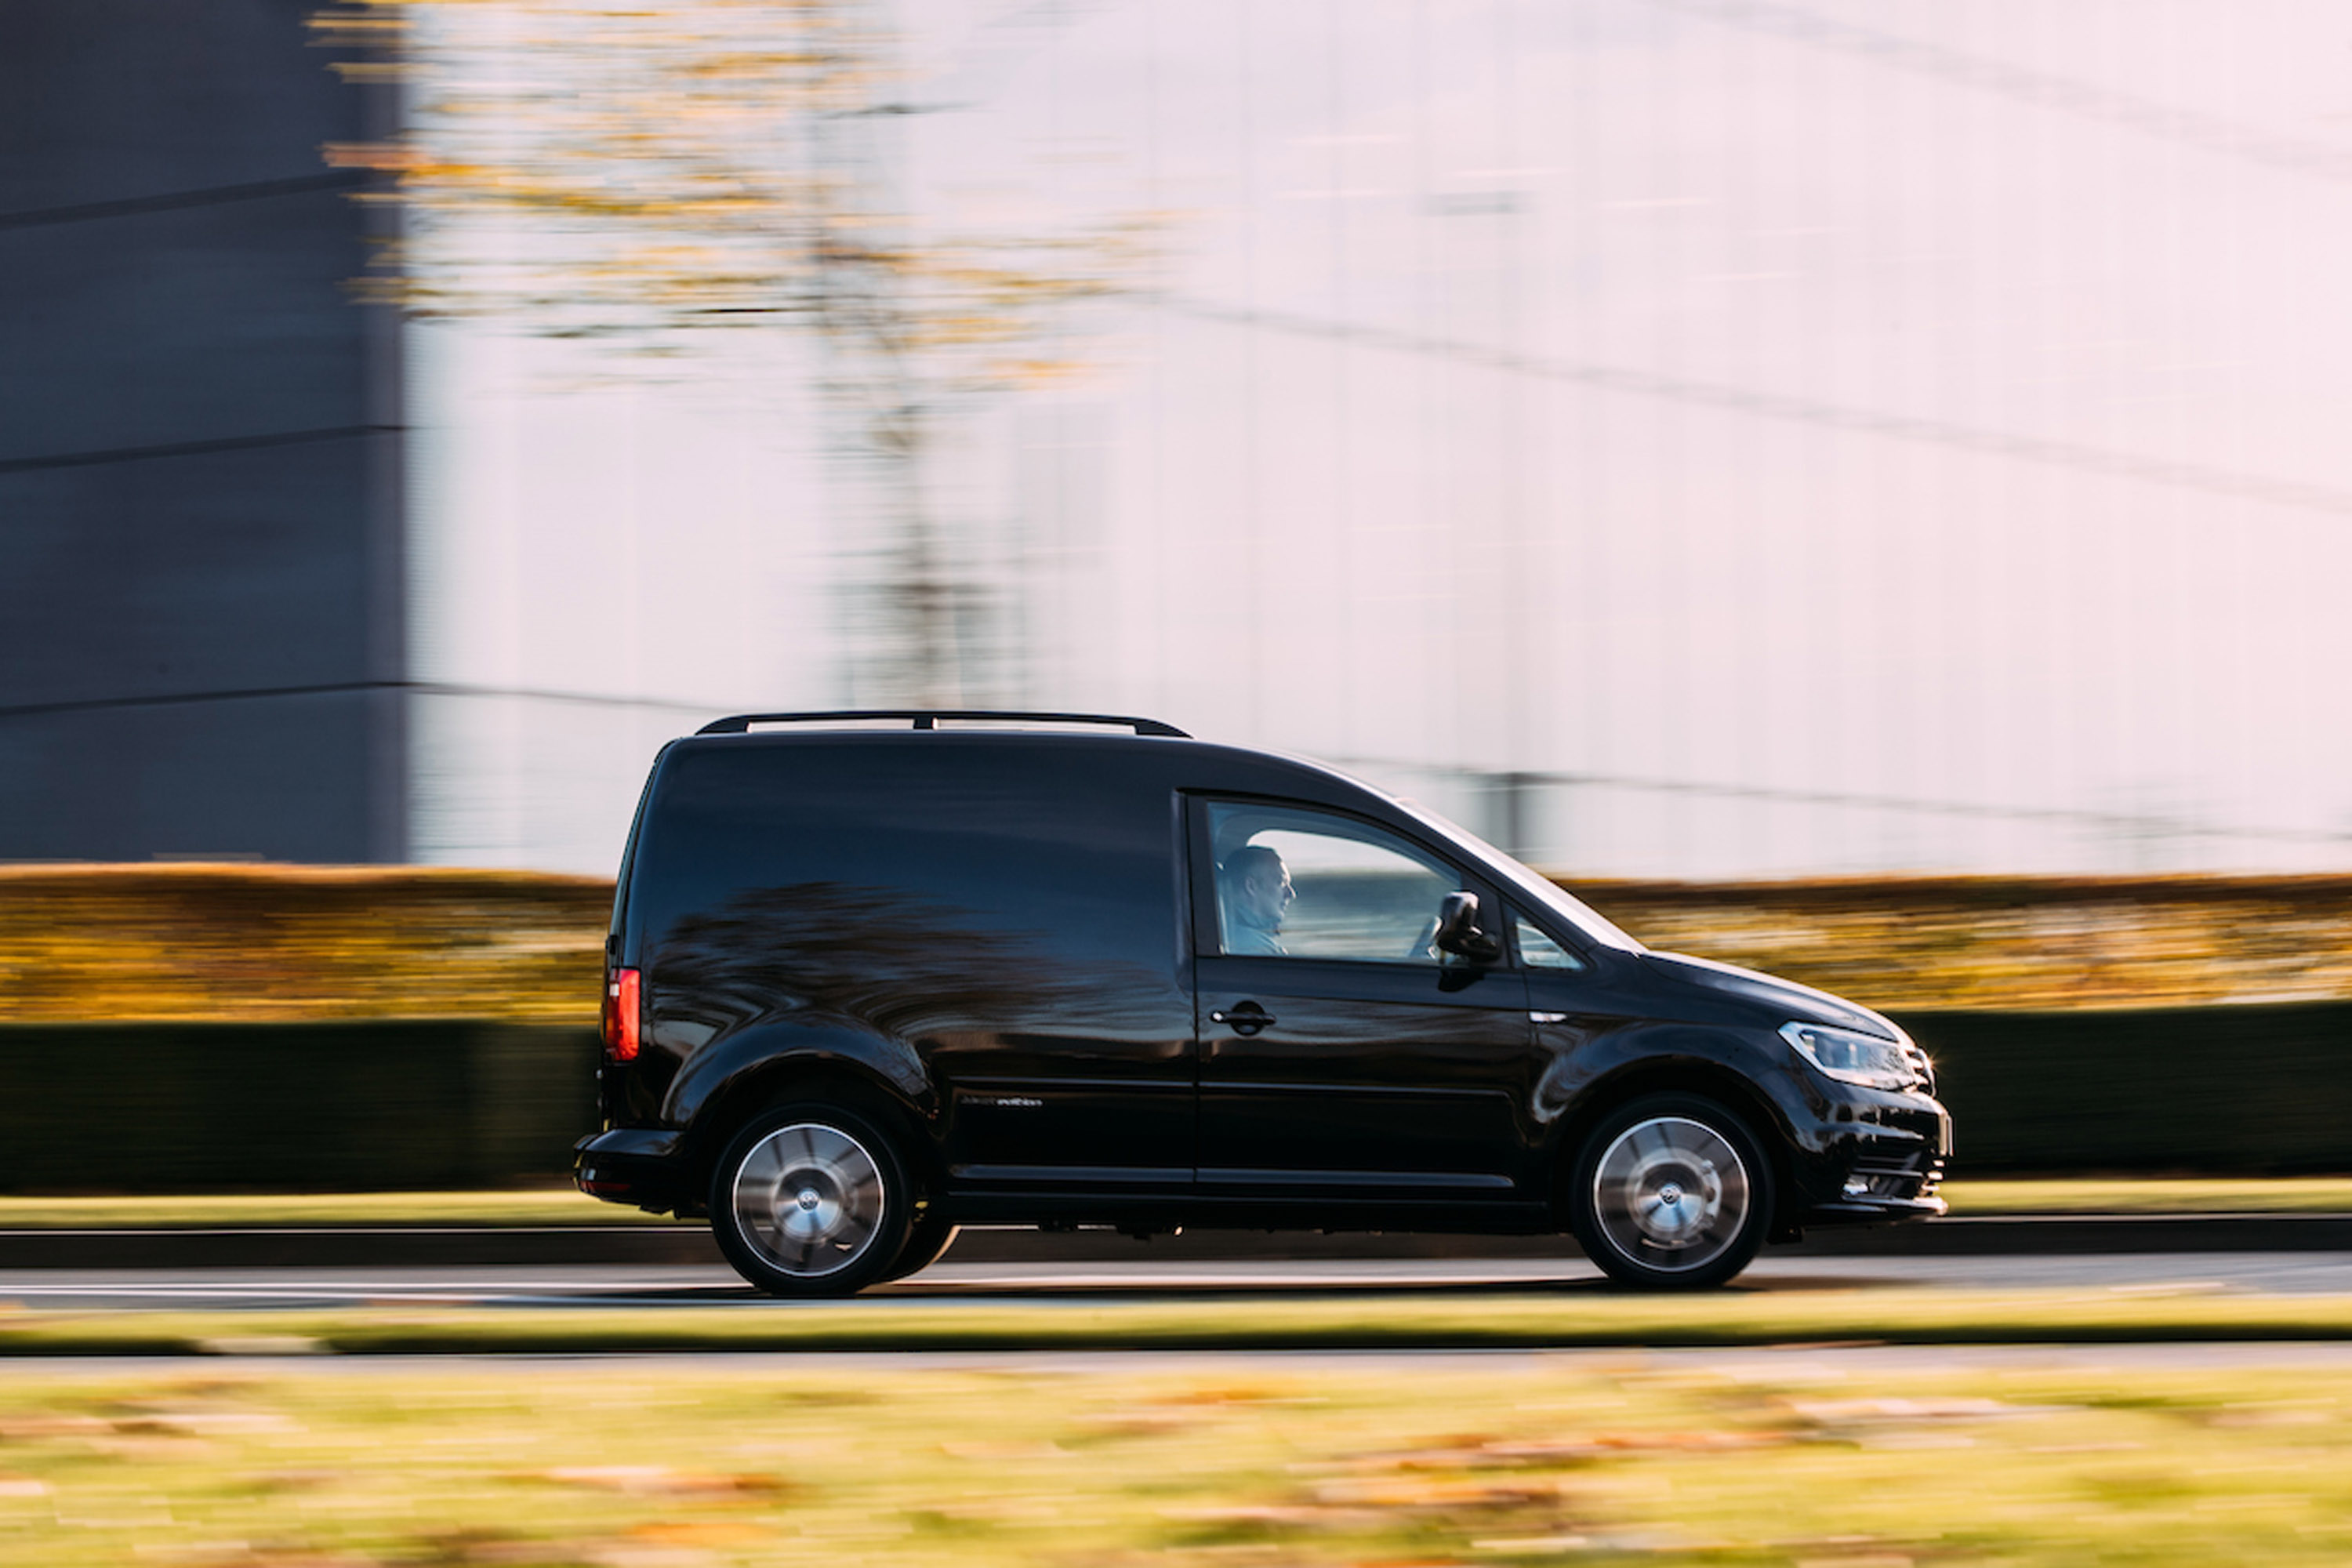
600, 563
1794, 438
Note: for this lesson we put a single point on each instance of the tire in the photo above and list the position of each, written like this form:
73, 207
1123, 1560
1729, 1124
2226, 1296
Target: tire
927, 1240
811, 1199
1671, 1191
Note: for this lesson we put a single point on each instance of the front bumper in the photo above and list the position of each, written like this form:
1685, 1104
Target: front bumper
1877, 1159
1875, 1211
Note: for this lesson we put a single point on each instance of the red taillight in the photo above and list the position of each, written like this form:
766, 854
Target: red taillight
621, 994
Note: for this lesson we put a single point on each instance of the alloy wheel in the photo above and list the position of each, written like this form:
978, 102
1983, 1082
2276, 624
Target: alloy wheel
1671, 1194
808, 1199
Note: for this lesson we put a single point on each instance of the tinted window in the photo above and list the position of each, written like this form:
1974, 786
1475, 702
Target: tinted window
947, 852
1309, 884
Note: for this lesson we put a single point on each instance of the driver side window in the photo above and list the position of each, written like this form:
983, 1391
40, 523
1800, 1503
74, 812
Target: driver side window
1297, 883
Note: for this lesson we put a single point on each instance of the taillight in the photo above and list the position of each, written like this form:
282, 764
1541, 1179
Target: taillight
622, 995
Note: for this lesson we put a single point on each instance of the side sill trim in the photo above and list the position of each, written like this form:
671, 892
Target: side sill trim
1475, 1180
1145, 1175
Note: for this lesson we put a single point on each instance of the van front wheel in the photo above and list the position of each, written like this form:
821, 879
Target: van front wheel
932, 1234
1671, 1193
810, 1200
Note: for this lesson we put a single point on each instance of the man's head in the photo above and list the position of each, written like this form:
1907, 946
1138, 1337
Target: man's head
1260, 885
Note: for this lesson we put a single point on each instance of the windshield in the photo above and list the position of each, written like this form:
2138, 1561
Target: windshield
1580, 916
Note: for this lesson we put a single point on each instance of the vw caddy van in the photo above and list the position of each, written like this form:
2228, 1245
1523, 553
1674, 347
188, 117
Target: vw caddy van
873, 976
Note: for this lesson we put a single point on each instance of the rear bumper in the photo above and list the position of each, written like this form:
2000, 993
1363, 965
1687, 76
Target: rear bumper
639, 1166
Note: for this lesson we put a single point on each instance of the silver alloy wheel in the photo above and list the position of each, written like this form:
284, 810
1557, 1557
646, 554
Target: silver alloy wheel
808, 1198
1671, 1194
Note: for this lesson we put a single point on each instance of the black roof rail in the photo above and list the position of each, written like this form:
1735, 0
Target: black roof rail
929, 718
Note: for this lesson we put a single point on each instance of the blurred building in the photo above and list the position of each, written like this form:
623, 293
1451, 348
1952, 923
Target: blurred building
200, 446
1697, 437
1677, 437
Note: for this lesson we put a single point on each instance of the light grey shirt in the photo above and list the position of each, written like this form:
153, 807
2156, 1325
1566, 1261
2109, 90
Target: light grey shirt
1246, 937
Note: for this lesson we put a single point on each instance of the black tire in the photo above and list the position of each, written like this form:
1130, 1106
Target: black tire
1671, 1191
929, 1238
811, 1199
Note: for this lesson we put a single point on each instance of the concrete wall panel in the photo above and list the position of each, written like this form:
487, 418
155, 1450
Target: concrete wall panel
174, 577
108, 100
281, 778
223, 322
200, 457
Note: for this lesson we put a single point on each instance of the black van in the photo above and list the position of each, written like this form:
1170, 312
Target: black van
873, 976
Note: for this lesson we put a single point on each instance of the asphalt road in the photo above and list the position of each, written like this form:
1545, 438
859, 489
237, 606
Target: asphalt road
660, 1287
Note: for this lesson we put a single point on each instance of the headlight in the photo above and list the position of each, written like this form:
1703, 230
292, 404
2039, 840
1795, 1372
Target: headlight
1850, 1057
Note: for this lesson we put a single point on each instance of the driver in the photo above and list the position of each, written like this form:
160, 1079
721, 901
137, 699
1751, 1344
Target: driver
1257, 893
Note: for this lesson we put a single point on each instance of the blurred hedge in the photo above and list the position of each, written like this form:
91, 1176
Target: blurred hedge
414, 1105
2002, 942
84, 943
377, 1105
436, 1028
2256, 1090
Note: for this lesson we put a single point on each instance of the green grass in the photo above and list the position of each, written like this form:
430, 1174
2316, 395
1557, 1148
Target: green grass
1630, 1458
563, 1205
1522, 1319
2137, 1194
550, 1205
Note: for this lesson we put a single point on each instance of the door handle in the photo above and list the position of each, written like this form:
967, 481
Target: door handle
1246, 1019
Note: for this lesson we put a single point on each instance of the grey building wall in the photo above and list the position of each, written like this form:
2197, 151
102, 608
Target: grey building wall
201, 643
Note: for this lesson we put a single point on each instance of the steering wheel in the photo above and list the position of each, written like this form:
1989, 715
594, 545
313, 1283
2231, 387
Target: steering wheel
1421, 944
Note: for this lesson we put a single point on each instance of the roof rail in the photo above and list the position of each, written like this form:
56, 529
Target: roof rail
929, 718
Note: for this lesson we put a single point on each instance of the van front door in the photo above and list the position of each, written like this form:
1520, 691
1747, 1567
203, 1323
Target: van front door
1342, 1056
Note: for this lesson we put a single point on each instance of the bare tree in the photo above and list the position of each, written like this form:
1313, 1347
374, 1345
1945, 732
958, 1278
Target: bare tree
639, 171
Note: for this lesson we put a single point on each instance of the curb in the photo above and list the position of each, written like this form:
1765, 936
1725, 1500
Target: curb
648, 1246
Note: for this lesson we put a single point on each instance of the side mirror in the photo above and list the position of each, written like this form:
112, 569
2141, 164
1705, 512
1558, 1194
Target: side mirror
1458, 932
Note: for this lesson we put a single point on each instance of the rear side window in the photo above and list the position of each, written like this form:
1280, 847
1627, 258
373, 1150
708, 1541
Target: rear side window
1300, 883
940, 864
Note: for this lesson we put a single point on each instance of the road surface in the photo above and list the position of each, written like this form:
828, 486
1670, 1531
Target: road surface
655, 1287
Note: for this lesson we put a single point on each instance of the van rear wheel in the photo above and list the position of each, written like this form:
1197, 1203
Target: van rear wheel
810, 1200
1671, 1193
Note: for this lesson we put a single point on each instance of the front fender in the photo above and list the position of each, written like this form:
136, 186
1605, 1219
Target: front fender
1601, 1069
1822, 1130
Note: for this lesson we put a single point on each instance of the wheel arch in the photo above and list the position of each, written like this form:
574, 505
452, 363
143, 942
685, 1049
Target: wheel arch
1674, 1075
812, 1074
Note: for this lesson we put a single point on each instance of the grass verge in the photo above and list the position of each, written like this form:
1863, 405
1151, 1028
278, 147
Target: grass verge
1785, 1462
534, 1207
1527, 1320
2141, 1195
